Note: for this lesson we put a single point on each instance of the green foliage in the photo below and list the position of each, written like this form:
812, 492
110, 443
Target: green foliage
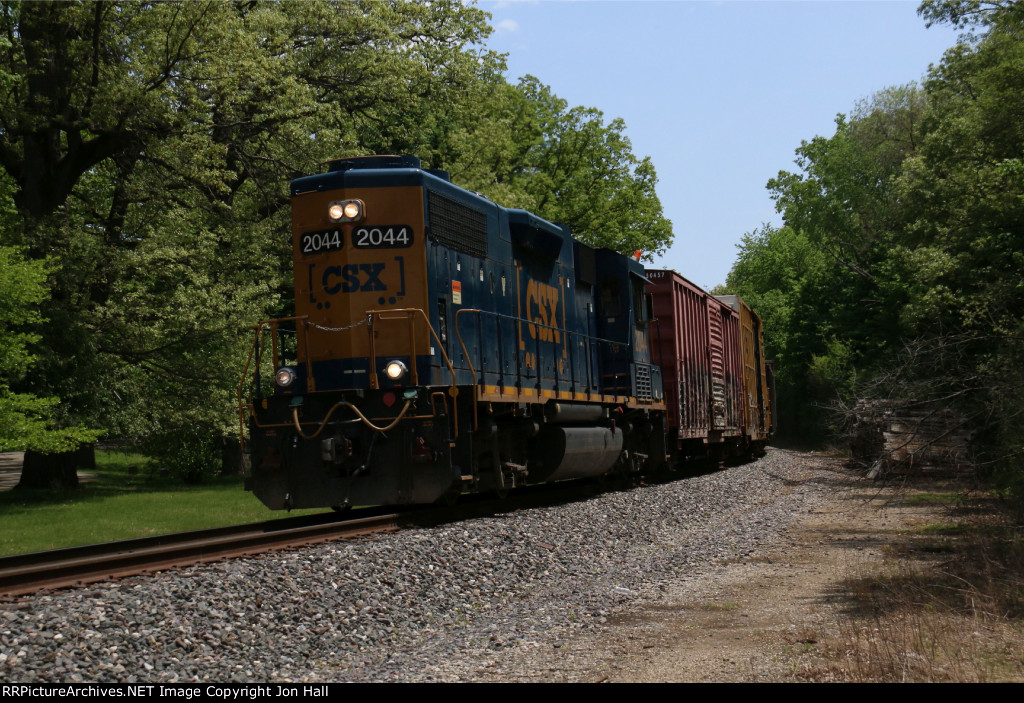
586, 176
773, 268
529, 149
965, 13
21, 290
833, 372
26, 421
190, 454
170, 133
899, 270
846, 201
785, 279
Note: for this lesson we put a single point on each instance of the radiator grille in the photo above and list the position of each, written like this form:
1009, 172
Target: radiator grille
643, 382
456, 225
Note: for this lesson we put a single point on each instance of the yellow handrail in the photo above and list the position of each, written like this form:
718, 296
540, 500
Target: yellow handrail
453, 390
259, 329
371, 315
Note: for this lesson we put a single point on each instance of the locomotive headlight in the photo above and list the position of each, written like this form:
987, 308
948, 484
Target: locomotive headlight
345, 211
285, 376
395, 370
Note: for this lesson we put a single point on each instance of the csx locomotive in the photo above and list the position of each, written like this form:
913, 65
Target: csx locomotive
443, 344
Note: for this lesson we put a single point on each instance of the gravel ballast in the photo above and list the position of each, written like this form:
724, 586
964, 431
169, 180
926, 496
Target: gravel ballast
440, 604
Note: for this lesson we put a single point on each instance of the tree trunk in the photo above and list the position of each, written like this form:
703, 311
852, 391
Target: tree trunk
56, 471
232, 461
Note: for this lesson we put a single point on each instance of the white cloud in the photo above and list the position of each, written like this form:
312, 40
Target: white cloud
506, 26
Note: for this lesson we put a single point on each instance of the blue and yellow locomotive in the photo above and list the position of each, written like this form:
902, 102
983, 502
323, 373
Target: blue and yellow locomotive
443, 344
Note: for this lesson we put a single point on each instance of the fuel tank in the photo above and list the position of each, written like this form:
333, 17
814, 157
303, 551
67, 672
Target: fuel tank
573, 452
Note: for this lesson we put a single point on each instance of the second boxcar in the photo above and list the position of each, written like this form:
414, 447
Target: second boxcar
710, 350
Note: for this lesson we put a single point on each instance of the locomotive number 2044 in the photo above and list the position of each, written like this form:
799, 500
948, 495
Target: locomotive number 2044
382, 237
324, 240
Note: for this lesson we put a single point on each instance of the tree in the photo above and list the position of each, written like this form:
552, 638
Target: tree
966, 13
844, 213
967, 193
789, 282
75, 94
530, 150
913, 213
845, 201
150, 147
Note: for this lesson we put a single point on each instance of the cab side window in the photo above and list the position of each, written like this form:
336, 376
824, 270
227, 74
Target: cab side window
611, 305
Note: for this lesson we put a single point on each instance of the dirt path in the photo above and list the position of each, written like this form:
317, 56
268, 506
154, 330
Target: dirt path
763, 620
776, 617
10, 469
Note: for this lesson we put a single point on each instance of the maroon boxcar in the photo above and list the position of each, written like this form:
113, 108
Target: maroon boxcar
699, 342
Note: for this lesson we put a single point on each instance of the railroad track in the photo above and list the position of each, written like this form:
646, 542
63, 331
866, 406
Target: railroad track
75, 566
22, 574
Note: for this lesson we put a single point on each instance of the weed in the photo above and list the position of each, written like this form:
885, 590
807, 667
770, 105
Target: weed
934, 499
724, 606
944, 529
957, 620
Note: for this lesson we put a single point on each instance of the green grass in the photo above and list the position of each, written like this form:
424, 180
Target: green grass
724, 605
934, 499
121, 504
944, 529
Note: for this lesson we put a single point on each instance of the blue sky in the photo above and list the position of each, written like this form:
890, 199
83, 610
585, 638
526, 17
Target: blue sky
718, 93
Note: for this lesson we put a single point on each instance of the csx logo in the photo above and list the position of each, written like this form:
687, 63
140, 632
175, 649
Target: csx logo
542, 307
385, 279
640, 343
353, 277
542, 303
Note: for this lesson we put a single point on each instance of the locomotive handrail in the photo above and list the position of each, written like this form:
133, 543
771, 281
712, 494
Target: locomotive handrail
567, 332
562, 330
411, 311
469, 361
453, 390
259, 328
465, 355
412, 334
271, 326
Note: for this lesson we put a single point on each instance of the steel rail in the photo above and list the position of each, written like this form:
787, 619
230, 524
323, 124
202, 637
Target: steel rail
74, 566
